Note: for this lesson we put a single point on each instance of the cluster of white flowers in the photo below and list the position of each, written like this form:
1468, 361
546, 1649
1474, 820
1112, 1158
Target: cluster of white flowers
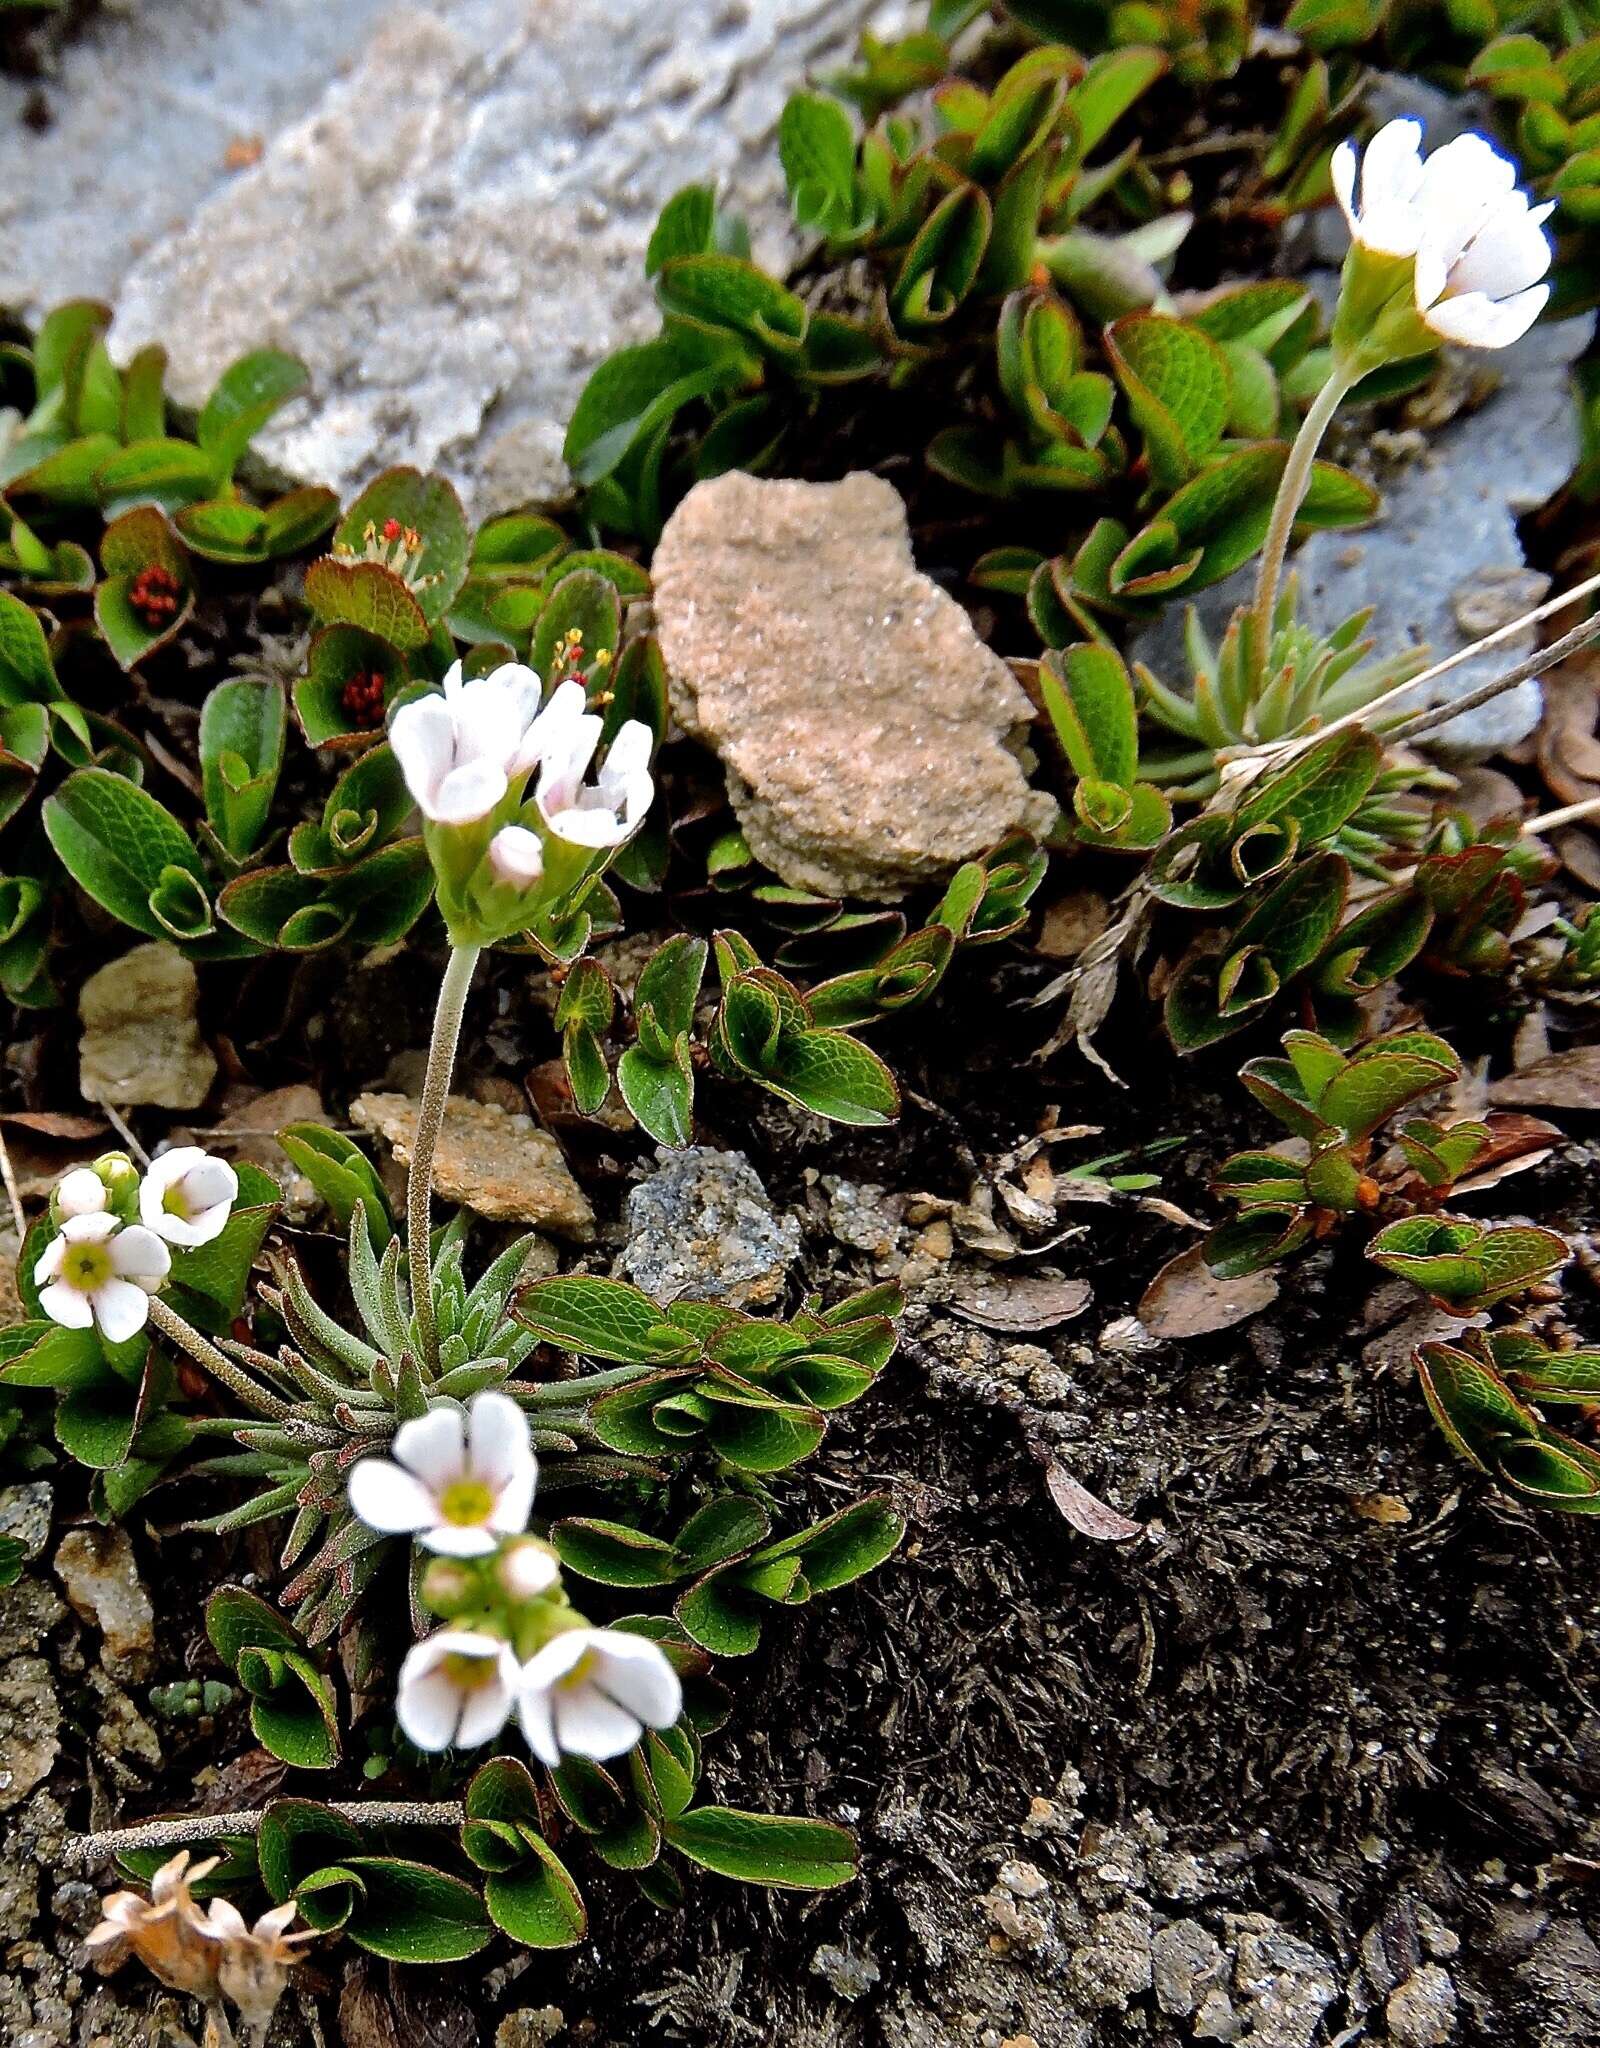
461, 1485
463, 753
1477, 243
101, 1268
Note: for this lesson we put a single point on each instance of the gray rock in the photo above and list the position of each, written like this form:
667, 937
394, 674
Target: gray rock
1187, 1964
1421, 2012
30, 1727
1284, 1985
25, 1515
702, 1225
101, 1575
860, 718
448, 213
141, 1042
847, 1973
1116, 1965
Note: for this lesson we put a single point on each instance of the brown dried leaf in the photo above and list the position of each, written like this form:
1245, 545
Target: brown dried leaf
1087, 1514
1015, 1303
1516, 1143
1566, 1080
1186, 1299
53, 1123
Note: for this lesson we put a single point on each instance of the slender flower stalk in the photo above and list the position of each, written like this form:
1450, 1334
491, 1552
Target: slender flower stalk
430, 1116
1441, 249
1292, 488
221, 1368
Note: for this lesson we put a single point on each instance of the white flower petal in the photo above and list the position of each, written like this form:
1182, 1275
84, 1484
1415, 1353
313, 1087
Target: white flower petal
466, 794
138, 1254
1482, 322
385, 1496
538, 1724
458, 1539
1343, 172
1391, 167
91, 1229
589, 1724
485, 1712
1508, 255
428, 1709
590, 825
499, 1440
433, 1446
121, 1309
65, 1305
636, 1674
423, 737
49, 1264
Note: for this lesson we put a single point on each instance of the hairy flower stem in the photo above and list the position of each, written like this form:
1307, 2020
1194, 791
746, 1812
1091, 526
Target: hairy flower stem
222, 1370
430, 1115
1292, 489
182, 1829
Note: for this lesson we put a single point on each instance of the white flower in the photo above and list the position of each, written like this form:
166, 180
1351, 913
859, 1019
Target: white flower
456, 1688
593, 1691
459, 751
188, 1195
95, 1271
81, 1193
1478, 242
610, 810
457, 1486
516, 857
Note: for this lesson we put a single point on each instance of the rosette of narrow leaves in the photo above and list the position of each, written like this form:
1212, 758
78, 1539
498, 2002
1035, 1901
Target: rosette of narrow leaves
119, 1407
292, 1708
1332, 1103
1468, 1266
1306, 680
340, 1394
1088, 698
1483, 1390
755, 1393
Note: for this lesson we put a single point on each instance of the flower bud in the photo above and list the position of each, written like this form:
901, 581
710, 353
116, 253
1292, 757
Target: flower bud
450, 1588
526, 1569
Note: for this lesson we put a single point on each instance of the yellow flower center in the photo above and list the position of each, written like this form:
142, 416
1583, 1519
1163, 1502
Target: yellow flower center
466, 1502
174, 1202
86, 1267
468, 1674
579, 1674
